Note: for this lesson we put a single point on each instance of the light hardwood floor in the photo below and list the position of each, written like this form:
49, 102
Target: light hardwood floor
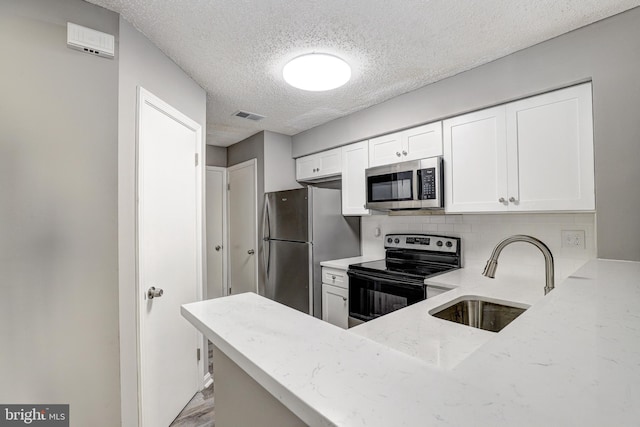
198, 412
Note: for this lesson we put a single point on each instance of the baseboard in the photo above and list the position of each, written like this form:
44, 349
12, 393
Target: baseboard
208, 380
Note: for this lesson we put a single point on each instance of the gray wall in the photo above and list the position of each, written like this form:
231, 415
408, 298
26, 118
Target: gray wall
58, 212
141, 64
279, 166
607, 52
216, 156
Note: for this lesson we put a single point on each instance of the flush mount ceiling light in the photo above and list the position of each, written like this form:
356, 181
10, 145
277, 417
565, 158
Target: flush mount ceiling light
316, 72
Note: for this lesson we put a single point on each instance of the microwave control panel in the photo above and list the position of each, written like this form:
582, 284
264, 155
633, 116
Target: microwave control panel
427, 181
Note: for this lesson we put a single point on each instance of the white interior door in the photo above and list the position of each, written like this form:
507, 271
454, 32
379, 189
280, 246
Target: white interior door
216, 243
169, 258
243, 228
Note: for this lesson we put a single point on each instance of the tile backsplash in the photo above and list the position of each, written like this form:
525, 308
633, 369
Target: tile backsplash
481, 232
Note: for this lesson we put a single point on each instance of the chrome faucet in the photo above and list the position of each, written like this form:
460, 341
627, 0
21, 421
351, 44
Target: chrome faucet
492, 264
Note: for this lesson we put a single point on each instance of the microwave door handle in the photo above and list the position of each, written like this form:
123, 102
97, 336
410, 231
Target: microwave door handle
415, 195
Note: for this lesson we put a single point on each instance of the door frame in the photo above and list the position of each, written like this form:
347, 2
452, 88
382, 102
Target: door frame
146, 97
254, 163
225, 230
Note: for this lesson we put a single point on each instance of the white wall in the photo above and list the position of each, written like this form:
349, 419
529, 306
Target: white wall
480, 233
58, 212
141, 64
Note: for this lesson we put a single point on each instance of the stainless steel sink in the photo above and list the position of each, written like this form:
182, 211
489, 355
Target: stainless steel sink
479, 313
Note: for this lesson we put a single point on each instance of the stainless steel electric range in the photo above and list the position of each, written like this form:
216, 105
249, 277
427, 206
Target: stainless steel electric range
379, 287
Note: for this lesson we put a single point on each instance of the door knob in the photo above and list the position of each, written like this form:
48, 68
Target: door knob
154, 293
512, 199
501, 200
251, 252
398, 153
404, 153
218, 247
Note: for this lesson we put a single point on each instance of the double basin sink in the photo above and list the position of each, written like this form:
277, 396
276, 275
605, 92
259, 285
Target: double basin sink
477, 312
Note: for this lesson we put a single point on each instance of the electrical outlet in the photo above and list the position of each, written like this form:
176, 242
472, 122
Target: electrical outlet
573, 239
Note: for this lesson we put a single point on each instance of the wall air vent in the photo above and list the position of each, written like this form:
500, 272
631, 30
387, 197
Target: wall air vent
90, 41
247, 115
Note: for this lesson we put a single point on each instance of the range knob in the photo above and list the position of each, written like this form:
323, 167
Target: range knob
396, 240
439, 243
389, 240
449, 244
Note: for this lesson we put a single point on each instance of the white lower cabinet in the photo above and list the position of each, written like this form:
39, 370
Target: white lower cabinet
335, 297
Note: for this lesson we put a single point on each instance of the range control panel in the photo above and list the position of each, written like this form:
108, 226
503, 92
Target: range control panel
424, 242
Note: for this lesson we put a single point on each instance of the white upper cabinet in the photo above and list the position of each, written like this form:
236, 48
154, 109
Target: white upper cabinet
530, 155
355, 159
411, 144
475, 162
319, 166
550, 151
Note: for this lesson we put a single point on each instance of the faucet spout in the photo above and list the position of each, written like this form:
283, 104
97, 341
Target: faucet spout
492, 263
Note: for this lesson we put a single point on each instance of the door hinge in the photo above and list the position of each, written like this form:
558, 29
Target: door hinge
198, 354
229, 290
228, 187
196, 159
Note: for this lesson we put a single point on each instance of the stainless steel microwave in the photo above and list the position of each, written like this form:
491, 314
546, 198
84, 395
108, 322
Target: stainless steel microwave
408, 185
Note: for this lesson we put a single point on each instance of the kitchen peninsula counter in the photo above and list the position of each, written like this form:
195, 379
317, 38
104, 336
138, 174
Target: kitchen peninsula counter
570, 359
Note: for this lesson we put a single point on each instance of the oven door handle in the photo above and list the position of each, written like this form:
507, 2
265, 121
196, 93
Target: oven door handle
385, 280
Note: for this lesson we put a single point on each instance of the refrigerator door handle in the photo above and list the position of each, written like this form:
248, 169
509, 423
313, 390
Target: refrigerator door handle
266, 235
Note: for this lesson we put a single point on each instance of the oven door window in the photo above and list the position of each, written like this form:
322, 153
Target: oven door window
371, 296
390, 187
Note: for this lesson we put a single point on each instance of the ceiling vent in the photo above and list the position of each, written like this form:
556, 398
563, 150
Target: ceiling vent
247, 115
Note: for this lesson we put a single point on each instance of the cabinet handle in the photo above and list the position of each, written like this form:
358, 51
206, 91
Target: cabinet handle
344, 299
404, 153
333, 277
512, 199
501, 200
398, 153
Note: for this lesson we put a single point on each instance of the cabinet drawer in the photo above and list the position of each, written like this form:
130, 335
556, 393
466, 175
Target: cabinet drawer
334, 276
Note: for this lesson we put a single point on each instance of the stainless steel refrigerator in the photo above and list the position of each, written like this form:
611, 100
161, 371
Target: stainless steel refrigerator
300, 229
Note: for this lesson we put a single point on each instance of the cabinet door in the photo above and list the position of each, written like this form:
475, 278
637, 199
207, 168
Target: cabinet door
475, 161
385, 149
329, 162
306, 167
335, 305
355, 159
550, 151
422, 141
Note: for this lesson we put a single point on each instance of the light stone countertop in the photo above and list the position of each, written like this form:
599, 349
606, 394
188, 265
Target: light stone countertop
344, 263
570, 359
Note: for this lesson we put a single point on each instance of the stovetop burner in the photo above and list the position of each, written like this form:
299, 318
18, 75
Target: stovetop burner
415, 257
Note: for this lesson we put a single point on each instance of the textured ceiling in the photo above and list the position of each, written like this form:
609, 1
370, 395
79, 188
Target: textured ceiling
235, 49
